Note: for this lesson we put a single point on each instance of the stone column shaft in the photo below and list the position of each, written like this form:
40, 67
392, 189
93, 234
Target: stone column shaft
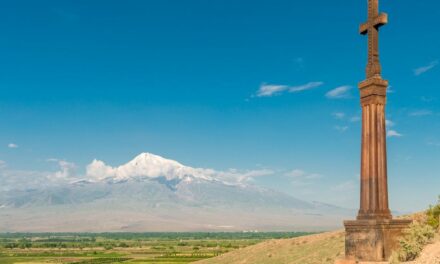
374, 186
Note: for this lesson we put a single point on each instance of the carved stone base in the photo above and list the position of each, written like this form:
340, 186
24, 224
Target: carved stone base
373, 240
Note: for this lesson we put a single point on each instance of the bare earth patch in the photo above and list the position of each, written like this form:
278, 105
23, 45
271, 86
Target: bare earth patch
430, 254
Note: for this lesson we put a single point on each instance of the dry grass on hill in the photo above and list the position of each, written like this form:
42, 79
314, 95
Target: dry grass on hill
322, 248
315, 249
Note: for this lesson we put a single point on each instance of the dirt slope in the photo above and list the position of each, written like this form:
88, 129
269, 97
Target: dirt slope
430, 254
315, 249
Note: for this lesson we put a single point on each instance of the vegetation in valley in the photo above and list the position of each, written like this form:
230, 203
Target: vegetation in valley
103, 248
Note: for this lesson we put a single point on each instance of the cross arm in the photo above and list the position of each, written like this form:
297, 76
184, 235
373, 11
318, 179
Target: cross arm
376, 22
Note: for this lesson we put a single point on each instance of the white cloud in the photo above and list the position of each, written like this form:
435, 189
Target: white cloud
389, 123
267, 90
421, 70
98, 170
2, 164
338, 115
244, 176
393, 133
16, 179
12, 145
390, 89
347, 186
67, 170
355, 119
300, 178
295, 173
11, 179
305, 87
339, 92
153, 166
421, 113
300, 174
341, 129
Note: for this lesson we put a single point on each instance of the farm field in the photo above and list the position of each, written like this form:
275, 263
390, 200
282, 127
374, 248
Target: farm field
105, 248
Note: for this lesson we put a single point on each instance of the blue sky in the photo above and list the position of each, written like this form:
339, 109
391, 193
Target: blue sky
195, 81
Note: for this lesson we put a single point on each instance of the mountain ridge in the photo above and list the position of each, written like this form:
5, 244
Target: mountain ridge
156, 194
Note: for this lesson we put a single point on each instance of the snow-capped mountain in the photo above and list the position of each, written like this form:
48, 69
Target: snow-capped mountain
147, 165
151, 193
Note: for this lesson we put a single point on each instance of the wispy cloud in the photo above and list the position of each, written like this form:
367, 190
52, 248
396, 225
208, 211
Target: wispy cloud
355, 119
12, 145
389, 123
2, 164
305, 87
302, 178
302, 174
393, 133
98, 170
421, 70
347, 186
11, 179
268, 90
390, 89
67, 169
422, 112
250, 175
339, 115
341, 129
339, 92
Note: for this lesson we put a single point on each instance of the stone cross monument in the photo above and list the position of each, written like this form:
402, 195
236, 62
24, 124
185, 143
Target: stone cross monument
373, 236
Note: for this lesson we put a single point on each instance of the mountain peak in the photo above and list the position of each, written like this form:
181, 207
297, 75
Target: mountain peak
146, 165
146, 157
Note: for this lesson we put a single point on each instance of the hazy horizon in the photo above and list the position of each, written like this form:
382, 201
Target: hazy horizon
260, 92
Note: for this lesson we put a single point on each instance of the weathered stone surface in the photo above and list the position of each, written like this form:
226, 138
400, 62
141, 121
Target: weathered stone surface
374, 188
374, 235
346, 261
372, 240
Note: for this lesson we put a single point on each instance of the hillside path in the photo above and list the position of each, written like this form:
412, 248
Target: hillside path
430, 254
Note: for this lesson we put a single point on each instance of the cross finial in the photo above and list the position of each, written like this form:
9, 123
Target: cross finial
371, 27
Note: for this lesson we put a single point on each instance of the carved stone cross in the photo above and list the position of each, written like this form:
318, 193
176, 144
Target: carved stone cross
375, 234
371, 27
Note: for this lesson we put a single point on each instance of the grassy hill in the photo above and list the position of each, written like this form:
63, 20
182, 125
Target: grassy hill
327, 247
315, 249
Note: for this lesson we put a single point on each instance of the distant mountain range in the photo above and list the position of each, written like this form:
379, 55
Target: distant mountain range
151, 193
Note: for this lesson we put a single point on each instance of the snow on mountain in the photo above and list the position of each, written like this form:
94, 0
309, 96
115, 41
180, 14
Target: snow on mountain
151, 193
146, 165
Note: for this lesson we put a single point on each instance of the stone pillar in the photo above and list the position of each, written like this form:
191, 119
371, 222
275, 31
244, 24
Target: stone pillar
374, 186
374, 235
